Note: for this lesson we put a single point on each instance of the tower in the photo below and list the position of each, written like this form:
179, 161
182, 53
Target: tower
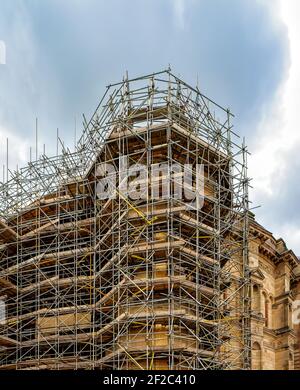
132, 251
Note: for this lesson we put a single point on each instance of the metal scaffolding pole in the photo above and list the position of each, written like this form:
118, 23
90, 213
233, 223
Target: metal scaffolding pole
154, 282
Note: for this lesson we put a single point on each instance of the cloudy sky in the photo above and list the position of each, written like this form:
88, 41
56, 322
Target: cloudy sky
245, 54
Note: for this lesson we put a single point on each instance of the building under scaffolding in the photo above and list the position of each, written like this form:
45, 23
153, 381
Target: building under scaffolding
122, 283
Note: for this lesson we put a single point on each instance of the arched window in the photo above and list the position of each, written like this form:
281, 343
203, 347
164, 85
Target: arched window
256, 357
256, 299
270, 312
291, 361
290, 315
267, 313
265, 308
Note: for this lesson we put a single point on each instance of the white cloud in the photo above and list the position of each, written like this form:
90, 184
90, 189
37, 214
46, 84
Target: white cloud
278, 132
179, 12
2, 53
20, 98
18, 150
291, 234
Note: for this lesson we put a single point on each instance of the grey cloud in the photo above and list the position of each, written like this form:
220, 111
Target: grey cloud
62, 54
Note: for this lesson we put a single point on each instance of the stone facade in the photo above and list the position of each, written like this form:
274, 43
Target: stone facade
275, 288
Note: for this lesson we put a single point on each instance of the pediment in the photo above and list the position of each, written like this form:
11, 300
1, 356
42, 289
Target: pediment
257, 273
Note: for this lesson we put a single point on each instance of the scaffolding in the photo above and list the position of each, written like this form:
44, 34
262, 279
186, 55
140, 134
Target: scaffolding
122, 283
